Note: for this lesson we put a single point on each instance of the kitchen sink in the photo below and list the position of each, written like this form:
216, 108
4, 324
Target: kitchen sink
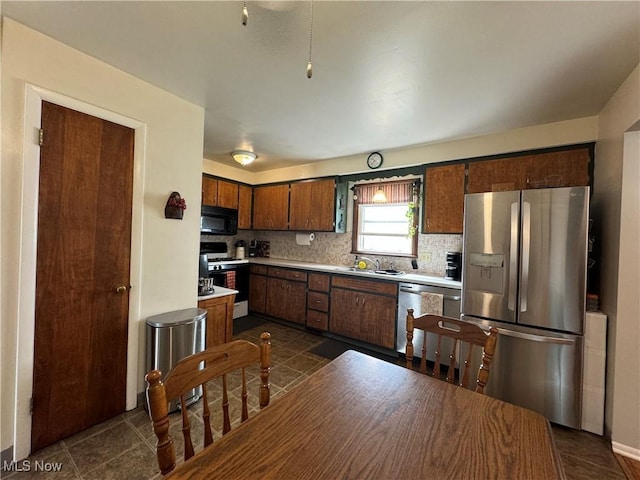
389, 272
366, 270
354, 269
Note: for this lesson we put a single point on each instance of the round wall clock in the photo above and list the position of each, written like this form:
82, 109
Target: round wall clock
374, 160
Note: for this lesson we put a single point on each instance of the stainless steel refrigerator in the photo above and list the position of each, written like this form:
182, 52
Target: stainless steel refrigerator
524, 272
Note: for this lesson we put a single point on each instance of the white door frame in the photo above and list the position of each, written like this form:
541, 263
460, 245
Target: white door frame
28, 248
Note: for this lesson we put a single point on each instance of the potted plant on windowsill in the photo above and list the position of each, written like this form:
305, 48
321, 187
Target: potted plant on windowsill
411, 213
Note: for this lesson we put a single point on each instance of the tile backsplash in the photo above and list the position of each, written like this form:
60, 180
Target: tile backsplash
335, 249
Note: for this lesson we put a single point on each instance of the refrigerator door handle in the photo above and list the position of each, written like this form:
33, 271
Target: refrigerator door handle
526, 249
535, 338
513, 257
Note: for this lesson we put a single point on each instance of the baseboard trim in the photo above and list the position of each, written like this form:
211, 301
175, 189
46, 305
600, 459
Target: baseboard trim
142, 399
626, 451
6, 456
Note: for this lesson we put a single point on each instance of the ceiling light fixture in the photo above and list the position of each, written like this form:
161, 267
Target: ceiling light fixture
379, 196
245, 13
309, 67
243, 157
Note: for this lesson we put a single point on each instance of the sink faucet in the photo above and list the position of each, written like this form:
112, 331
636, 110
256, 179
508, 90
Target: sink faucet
367, 259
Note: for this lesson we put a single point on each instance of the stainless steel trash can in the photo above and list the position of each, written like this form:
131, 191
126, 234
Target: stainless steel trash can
172, 336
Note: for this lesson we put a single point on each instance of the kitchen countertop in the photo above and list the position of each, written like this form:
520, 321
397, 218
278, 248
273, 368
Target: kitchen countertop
343, 270
218, 292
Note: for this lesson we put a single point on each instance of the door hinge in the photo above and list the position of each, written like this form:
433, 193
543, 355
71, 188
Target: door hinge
41, 137
31, 406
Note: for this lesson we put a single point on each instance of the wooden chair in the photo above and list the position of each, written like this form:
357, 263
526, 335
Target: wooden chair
191, 372
460, 332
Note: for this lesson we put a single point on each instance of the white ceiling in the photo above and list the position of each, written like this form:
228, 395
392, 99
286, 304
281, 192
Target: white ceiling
385, 74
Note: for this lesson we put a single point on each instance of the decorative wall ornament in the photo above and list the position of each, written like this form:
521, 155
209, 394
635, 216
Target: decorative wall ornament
175, 206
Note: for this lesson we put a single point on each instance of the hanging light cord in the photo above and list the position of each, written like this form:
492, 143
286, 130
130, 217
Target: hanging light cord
309, 67
245, 13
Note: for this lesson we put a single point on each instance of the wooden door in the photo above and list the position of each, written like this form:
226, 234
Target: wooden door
444, 199
84, 243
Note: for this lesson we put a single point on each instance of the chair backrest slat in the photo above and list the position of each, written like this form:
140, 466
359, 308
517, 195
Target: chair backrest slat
245, 410
460, 332
206, 417
196, 370
226, 421
451, 372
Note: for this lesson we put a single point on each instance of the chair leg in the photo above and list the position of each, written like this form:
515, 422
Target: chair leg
158, 408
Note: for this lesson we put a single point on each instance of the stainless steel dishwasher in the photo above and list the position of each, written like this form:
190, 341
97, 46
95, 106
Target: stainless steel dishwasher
411, 296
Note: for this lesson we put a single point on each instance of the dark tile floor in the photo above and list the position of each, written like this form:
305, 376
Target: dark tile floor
123, 447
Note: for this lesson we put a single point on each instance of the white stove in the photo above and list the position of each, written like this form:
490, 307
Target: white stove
227, 271
221, 263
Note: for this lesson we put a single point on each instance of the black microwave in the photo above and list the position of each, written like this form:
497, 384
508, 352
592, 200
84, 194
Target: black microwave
218, 221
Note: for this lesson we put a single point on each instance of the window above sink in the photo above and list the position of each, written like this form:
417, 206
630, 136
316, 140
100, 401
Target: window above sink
389, 227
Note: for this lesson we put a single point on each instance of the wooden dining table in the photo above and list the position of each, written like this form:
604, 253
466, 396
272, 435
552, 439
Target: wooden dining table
359, 417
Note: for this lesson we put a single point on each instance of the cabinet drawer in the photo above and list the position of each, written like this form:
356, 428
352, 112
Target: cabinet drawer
277, 272
295, 275
317, 320
258, 269
319, 282
318, 301
371, 286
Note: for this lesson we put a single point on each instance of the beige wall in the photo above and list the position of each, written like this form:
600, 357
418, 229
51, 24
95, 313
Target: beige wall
616, 177
164, 253
540, 136
626, 408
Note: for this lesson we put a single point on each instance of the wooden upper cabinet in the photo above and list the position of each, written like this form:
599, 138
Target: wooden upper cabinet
495, 175
227, 194
209, 191
271, 207
567, 168
218, 193
444, 199
312, 205
245, 199
562, 168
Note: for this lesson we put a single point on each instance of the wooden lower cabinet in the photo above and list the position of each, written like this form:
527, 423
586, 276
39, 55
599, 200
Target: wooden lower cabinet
287, 294
258, 293
356, 308
358, 312
219, 319
318, 301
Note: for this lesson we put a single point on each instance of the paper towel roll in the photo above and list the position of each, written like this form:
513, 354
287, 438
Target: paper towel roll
305, 238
